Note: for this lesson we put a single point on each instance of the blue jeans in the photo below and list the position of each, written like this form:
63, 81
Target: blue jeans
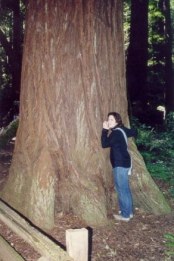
121, 180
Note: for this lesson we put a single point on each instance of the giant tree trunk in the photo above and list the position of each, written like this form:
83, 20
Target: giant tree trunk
73, 74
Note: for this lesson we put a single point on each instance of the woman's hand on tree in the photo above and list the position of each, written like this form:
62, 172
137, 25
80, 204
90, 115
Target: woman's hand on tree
105, 125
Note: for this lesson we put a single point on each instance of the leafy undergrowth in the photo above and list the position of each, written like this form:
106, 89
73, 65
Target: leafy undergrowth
156, 146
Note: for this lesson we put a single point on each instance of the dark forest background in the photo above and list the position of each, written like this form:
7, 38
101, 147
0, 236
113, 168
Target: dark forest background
149, 48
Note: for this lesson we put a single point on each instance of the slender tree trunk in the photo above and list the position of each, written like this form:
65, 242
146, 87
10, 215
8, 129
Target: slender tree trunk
137, 56
73, 74
16, 59
169, 78
172, 26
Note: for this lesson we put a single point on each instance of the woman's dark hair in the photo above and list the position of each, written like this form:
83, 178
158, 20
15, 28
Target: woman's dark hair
117, 117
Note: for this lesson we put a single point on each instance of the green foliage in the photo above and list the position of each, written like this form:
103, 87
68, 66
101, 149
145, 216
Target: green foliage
6, 28
156, 147
12, 14
169, 244
8, 133
126, 18
169, 122
145, 135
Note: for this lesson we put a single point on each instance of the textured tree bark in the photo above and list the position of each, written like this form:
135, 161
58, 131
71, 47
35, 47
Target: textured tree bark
73, 74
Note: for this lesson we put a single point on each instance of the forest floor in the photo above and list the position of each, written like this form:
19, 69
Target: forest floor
141, 239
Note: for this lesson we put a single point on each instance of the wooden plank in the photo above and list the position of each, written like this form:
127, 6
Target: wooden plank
7, 252
77, 244
41, 243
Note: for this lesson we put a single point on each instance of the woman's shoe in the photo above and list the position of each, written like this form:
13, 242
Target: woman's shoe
119, 217
131, 215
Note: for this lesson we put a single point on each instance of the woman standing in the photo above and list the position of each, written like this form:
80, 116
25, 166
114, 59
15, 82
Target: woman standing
120, 160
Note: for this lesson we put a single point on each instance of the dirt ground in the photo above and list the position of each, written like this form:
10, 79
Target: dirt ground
140, 239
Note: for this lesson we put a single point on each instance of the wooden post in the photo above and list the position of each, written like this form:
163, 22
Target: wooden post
77, 244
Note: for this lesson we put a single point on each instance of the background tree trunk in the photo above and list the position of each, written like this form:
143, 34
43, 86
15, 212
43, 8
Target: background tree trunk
17, 40
73, 74
168, 57
137, 56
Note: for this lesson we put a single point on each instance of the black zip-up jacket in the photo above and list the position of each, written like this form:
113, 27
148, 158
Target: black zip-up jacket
119, 155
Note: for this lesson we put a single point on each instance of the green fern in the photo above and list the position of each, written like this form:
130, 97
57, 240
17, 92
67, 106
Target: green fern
156, 147
8, 133
169, 244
